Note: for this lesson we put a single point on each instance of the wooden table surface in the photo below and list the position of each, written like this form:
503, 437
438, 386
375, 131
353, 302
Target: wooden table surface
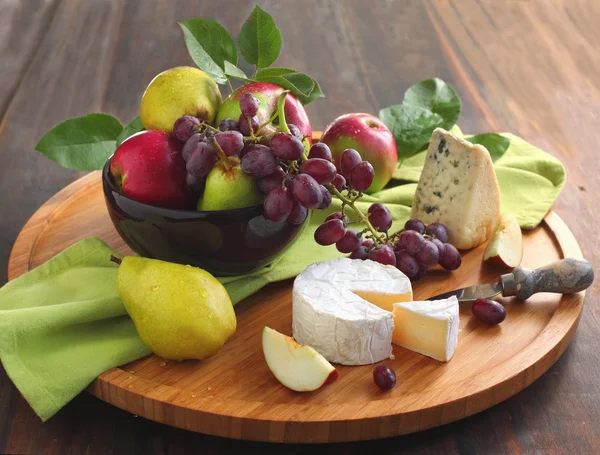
528, 67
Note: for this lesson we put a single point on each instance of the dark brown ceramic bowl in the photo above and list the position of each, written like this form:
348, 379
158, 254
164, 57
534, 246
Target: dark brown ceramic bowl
227, 242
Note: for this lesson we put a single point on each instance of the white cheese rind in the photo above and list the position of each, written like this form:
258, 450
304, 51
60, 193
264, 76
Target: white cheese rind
341, 326
458, 187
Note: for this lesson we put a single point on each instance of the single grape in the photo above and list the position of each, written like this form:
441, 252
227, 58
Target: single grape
384, 254
367, 243
185, 127
380, 216
329, 232
201, 160
338, 216
428, 254
339, 181
228, 124
362, 252
489, 311
249, 105
259, 162
407, 264
348, 159
245, 128
231, 142
190, 146
420, 273
320, 150
321, 170
295, 131
208, 133
411, 241
307, 191
384, 377
450, 259
437, 230
349, 242
361, 176
278, 204
326, 202
298, 214
271, 181
415, 225
440, 246
194, 182
286, 146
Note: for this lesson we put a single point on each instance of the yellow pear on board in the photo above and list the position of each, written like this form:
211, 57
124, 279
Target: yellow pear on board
179, 311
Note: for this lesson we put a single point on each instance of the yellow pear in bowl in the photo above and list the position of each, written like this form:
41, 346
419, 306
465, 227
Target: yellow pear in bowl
177, 92
179, 311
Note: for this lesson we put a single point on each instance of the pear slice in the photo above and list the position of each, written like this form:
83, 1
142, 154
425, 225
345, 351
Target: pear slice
505, 249
296, 366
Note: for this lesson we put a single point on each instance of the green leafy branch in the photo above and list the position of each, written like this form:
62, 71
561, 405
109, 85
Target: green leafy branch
214, 51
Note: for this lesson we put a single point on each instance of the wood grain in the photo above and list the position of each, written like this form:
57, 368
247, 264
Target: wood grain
527, 66
233, 394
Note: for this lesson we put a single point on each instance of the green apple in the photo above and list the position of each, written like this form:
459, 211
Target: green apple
228, 189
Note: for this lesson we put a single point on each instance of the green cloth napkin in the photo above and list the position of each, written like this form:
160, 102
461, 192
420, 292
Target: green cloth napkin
62, 324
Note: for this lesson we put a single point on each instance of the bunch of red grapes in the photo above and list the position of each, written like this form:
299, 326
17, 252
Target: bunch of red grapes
294, 183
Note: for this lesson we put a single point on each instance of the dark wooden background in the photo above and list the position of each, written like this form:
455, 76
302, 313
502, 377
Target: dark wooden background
529, 67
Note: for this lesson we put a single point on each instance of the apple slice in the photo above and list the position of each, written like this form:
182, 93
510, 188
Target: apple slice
296, 366
505, 249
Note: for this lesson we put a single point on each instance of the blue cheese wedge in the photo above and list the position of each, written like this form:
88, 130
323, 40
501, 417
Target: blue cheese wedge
458, 188
343, 309
427, 327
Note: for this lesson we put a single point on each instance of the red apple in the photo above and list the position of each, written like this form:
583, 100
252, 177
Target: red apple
368, 136
149, 168
505, 249
268, 95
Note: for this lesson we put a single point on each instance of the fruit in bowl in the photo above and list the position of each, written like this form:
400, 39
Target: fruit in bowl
177, 92
149, 168
267, 94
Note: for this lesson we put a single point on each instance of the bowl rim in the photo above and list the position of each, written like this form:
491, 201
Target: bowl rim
107, 180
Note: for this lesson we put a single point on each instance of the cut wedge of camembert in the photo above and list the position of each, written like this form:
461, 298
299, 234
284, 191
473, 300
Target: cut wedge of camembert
458, 188
342, 308
427, 327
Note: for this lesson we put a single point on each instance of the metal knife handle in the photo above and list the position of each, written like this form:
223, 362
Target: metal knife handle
566, 276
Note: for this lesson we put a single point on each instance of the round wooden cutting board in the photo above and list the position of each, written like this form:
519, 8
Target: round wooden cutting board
233, 394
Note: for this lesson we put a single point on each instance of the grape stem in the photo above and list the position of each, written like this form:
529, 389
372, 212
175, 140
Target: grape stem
377, 237
260, 128
224, 159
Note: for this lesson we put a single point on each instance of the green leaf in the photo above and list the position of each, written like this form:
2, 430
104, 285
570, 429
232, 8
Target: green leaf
493, 142
427, 105
135, 126
260, 39
210, 46
233, 71
82, 143
438, 97
411, 127
301, 85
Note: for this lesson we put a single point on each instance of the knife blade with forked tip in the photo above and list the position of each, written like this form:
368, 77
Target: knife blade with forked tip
566, 276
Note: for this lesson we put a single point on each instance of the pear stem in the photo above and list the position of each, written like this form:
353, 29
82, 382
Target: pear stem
115, 259
222, 156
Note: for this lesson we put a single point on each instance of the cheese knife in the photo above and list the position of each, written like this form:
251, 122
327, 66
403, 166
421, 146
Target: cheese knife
567, 276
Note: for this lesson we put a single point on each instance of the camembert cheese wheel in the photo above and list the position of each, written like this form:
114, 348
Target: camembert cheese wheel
343, 309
